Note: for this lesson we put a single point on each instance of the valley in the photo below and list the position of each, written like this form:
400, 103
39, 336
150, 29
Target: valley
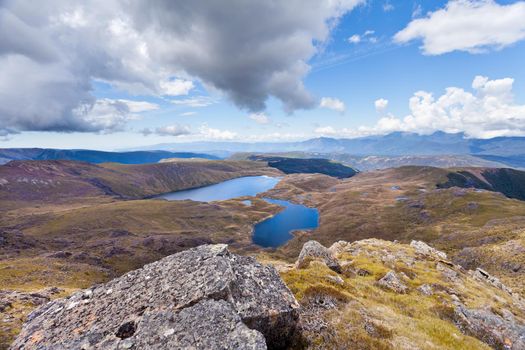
69, 225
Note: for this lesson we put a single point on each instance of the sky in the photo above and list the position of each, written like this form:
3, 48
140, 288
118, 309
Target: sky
116, 74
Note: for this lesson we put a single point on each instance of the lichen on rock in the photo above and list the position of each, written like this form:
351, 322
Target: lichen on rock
205, 298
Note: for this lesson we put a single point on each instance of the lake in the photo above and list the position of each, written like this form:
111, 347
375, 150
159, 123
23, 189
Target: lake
277, 230
239, 187
272, 232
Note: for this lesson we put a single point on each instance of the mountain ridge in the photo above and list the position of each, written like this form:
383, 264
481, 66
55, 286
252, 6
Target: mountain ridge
397, 143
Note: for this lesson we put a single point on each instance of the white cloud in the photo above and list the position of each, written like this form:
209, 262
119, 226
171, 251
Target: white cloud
173, 130
488, 111
381, 104
259, 118
367, 36
216, 134
61, 46
325, 130
354, 39
187, 114
106, 115
168, 130
473, 26
198, 101
176, 87
139, 106
333, 104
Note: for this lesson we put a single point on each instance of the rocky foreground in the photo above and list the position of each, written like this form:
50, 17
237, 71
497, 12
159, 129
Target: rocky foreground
369, 294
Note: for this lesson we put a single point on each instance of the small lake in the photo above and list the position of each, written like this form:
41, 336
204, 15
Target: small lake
277, 230
272, 232
239, 187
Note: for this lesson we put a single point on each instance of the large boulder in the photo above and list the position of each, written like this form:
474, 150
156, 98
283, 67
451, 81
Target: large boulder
202, 298
313, 250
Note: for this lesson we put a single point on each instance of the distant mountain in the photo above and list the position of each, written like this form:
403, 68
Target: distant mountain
367, 163
394, 144
136, 157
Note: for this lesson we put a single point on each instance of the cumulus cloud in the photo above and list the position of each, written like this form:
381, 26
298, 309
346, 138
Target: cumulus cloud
367, 36
473, 26
333, 104
216, 134
139, 106
176, 87
173, 130
489, 110
381, 104
259, 118
156, 47
325, 130
168, 130
354, 39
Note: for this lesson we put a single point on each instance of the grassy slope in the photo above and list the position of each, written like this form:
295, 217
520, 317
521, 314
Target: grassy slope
357, 313
127, 234
76, 248
70, 224
57, 182
370, 205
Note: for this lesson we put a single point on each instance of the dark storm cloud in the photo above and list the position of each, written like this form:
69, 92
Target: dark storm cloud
51, 51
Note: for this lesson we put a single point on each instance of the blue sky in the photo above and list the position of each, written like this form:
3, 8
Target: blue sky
359, 62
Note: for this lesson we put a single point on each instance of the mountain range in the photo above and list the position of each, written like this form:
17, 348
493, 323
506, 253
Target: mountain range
507, 150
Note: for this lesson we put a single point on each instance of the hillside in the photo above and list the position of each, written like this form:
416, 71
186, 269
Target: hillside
509, 182
60, 181
369, 294
306, 166
90, 156
49, 238
405, 204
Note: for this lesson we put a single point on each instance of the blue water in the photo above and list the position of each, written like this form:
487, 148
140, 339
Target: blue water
277, 230
272, 232
239, 187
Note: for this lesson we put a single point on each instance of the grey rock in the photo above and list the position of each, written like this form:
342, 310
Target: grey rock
496, 331
391, 282
336, 279
129, 307
447, 273
484, 276
209, 324
425, 289
313, 250
426, 250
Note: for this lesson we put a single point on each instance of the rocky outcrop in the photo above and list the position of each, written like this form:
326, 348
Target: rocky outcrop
424, 249
313, 250
391, 282
498, 332
202, 298
360, 310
